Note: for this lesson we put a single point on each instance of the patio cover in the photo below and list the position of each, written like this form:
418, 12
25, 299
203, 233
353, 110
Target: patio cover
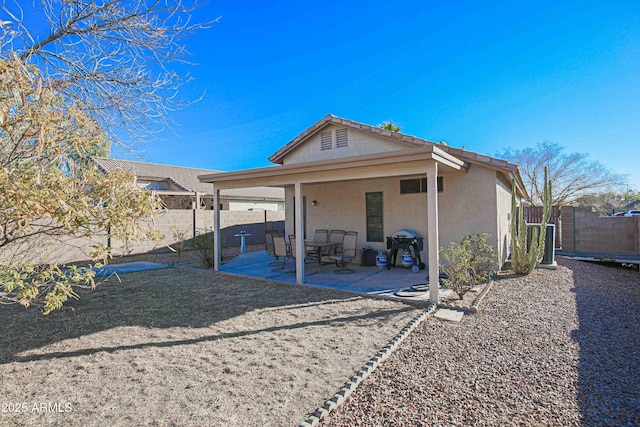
428, 160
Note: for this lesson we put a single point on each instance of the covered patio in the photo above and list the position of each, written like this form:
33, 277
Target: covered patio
394, 283
427, 161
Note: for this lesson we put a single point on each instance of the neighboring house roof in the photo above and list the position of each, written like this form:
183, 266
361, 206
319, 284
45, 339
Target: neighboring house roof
186, 179
411, 141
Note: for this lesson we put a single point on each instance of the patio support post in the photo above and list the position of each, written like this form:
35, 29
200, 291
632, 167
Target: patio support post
217, 256
432, 221
299, 232
197, 202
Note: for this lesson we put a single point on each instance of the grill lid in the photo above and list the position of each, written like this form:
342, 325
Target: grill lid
405, 234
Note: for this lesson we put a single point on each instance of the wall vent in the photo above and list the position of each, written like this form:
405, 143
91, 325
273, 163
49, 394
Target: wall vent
342, 138
326, 142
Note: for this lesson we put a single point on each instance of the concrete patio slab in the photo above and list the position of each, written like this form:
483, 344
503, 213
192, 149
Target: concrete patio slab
367, 280
129, 267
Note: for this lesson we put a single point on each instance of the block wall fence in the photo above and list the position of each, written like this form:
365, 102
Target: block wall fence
172, 224
585, 231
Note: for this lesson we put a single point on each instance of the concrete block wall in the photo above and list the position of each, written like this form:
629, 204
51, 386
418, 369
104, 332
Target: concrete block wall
171, 224
585, 231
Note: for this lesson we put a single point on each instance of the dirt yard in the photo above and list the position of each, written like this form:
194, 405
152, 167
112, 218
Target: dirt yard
185, 347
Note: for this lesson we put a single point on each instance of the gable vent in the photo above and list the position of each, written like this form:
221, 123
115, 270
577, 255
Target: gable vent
342, 139
326, 141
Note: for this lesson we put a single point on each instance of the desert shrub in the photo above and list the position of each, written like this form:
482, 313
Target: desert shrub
180, 238
203, 244
484, 261
468, 263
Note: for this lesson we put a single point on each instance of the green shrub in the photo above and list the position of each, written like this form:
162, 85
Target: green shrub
469, 263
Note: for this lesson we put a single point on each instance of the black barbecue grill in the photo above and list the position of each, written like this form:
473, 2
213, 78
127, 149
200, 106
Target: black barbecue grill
405, 240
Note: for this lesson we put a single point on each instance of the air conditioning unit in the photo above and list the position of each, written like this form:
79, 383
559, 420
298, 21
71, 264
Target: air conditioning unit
548, 259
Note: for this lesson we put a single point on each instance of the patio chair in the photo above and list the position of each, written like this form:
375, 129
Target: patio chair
337, 236
280, 250
349, 250
268, 238
319, 236
292, 248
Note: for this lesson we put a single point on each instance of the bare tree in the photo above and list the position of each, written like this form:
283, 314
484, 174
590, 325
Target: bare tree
609, 202
571, 174
117, 60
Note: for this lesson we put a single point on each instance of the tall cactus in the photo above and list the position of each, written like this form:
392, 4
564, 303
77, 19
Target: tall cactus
523, 259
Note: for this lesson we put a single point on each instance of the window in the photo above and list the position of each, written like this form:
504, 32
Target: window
375, 223
326, 142
418, 185
342, 138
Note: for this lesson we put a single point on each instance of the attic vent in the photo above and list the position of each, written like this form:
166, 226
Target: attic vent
326, 141
342, 139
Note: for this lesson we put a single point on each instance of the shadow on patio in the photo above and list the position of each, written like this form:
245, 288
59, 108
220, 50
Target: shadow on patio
364, 280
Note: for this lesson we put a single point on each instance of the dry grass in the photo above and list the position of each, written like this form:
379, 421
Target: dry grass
184, 347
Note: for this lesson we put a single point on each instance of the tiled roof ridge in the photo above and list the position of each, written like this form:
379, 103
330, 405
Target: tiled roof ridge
330, 118
140, 162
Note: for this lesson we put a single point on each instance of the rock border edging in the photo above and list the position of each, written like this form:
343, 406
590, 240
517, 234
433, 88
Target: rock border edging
475, 306
351, 385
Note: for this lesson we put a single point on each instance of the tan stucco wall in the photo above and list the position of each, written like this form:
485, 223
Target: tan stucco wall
467, 205
359, 144
503, 206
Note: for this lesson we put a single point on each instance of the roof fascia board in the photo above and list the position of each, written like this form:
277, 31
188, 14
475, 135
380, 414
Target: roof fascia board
394, 163
338, 163
325, 176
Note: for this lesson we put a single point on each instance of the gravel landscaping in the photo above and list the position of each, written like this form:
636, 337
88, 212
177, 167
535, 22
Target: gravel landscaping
559, 347
184, 347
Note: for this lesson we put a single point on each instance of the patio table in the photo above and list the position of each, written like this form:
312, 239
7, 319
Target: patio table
319, 246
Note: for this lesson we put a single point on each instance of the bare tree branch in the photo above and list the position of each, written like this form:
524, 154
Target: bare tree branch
121, 61
572, 175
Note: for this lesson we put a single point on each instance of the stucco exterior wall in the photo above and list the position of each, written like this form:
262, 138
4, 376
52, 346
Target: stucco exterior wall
467, 205
359, 144
503, 216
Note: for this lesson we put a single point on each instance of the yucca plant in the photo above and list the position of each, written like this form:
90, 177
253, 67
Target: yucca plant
525, 255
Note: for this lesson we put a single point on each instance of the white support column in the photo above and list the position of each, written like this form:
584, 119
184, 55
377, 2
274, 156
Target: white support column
217, 256
432, 221
299, 232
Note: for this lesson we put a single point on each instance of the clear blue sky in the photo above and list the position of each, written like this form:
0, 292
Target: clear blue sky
486, 75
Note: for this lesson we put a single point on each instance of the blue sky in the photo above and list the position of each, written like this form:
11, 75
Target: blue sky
486, 75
